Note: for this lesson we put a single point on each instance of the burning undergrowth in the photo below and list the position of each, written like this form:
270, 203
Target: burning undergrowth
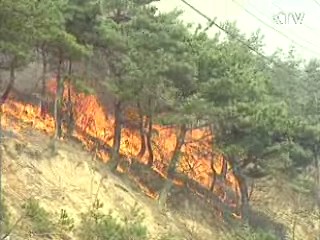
95, 129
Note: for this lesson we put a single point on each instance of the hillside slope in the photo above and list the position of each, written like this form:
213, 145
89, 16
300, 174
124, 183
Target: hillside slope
72, 180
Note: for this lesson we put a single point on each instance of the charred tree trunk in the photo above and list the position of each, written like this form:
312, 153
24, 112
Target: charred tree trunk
58, 102
172, 166
224, 169
244, 207
7, 91
4, 97
12, 77
214, 172
142, 133
218, 176
223, 174
177, 151
71, 122
317, 175
149, 140
213, 179
43, 82
117, 136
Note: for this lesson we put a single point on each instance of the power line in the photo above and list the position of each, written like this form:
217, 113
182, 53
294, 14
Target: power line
310, 28
304, 40
284, 35
316, 1
214, 23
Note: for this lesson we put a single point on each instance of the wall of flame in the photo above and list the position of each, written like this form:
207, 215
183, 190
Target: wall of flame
91, 119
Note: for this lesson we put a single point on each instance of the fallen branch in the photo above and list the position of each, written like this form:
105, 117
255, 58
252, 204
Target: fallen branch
5, 95
199, 139
12, 228
251, 190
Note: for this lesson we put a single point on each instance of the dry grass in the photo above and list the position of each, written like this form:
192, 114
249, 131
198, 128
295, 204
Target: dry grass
69, 180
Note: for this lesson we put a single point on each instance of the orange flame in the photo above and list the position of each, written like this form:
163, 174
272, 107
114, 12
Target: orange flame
91, 119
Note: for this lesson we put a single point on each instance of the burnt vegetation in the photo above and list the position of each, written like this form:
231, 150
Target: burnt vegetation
152, 74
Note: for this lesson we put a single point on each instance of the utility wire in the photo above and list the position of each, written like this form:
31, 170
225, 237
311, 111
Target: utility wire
316, 1
310, 28
262, 14
214, 23
268, 25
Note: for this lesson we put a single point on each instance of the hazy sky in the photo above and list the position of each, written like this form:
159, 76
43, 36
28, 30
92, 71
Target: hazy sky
305, 37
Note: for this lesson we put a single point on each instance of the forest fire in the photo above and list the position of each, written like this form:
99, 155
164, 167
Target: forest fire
91, 120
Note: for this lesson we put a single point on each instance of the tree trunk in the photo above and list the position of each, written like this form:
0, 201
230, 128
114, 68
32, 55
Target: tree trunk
149, 140
12, 75
317, 176
219, 178
70, 124
224, 169
43, 81
117, 137
177, 151
142, 133
244, 207
3, 99
223, 174
213, 179
172, 166
58, 102
7, 91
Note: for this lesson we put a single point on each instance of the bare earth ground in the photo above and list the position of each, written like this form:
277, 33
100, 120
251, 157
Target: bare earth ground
296, 211
70, 180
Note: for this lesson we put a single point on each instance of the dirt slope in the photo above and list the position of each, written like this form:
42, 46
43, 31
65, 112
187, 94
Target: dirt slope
275, 198
71, 180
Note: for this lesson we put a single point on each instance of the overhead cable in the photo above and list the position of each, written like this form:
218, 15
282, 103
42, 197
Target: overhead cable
214, 23
296, 37
276, 30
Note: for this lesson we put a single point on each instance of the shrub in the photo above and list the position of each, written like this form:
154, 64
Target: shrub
171, 236
65, 223
249, 233
96, 225
39, 217
5, 217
